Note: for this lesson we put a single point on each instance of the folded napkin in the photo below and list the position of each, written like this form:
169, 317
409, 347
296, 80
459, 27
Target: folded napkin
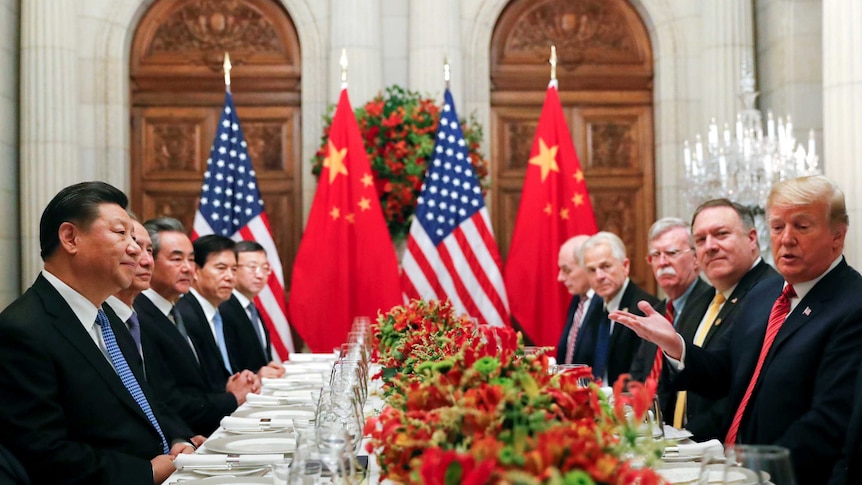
216, 461
305, 357
697, 449
231, 423
261, 400
293, 382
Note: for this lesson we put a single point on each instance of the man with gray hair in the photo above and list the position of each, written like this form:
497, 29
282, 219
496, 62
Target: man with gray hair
574, 277
608, 348
672, 258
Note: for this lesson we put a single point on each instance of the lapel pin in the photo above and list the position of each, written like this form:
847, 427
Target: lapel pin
807, 311
734, 301
717, 322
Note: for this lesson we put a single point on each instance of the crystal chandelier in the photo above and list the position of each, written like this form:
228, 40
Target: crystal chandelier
743, 165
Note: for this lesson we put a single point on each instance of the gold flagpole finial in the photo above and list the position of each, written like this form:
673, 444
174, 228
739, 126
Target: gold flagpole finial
553, 62
226, 67
343, 63
446, 71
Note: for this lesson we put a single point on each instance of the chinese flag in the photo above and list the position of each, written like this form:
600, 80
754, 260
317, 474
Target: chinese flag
554, 207
346, 264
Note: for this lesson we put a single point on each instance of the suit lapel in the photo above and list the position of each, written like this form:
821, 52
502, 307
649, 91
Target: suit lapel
68, 325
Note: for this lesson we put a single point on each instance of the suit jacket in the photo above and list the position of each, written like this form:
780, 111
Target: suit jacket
199, 331
642, 365
567, 328
243, 345
804, 395
623, 344
848, 470
175, 374
65, 413
705, 416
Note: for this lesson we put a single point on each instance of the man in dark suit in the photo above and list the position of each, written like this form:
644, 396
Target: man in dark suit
729, 255
608, 348
212, 285
574, 277
171, 358
73, 409
674, 264
789, 364
248, 343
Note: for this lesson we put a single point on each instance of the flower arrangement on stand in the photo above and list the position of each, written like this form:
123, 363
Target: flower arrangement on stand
398, 128
466, 405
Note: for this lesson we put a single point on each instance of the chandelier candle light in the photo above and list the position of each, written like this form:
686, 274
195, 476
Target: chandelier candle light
743, 166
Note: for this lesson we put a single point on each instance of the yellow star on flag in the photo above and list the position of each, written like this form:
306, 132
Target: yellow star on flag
335, 161
349, 218
564, 213
579, 176
335, 213
364, 203
546, 159
578, 199
367, 180
548, 210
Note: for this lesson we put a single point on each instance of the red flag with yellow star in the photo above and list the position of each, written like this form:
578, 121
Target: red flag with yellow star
346, 265
554, 206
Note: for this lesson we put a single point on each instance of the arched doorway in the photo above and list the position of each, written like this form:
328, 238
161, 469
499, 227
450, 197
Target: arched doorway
177, 91
605, 72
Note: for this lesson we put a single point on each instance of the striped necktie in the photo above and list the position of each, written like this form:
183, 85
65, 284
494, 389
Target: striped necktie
126, 376
777, 316
573, 330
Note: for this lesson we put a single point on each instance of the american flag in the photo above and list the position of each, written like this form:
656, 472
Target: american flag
451, 252
231, 206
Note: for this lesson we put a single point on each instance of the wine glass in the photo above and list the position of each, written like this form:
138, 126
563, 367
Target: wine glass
762, 464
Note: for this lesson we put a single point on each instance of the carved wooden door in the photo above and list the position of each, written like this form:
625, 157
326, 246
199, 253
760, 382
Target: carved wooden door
605, 72
177, 93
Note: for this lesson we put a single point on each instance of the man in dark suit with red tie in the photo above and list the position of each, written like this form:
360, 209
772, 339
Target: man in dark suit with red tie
248, 342
605, 346
789, 364
574, 277
73, 409
674, 265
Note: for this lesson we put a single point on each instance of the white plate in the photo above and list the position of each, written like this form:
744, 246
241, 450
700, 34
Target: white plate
256, 431
251, 445
236, 472
230, 481
686, 473
288, 412
296, 395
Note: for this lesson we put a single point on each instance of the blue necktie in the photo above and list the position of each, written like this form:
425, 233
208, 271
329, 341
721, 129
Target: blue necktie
255, 322
135, 329
125, 373
602, 340
222, 346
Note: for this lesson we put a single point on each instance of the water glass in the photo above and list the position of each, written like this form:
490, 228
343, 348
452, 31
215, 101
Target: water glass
281, 473
761, 464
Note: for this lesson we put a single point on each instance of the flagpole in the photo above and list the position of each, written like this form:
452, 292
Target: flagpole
226, 66
343, 63
553, 62
446, 71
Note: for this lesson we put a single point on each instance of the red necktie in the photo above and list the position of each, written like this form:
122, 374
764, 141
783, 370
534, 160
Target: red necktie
655, 372
779, 312
573, 331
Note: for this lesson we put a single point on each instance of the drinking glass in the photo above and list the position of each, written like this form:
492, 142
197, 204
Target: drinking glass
281, 473
762, 464
711, 467
307, 465
336, 452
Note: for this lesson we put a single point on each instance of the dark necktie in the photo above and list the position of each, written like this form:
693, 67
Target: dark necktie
181, 327
777, 316
255, 323
602, 342
126, 375
135, 329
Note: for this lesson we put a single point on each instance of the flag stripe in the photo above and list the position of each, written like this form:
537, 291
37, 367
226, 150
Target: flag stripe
451, 252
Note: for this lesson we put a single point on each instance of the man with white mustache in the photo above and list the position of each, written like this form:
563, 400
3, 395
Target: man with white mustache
672, 258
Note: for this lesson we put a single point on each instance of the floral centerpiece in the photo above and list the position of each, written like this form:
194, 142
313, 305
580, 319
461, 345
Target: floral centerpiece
466, 405
398, 128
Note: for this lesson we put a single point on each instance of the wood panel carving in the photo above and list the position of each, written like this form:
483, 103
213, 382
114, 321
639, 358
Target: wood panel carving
613, 145
605, 79
591, 36
177, 91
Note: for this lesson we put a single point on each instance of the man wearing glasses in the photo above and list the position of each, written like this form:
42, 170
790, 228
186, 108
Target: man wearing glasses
247, 338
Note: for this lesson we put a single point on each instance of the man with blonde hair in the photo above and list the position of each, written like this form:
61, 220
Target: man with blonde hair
790, 363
